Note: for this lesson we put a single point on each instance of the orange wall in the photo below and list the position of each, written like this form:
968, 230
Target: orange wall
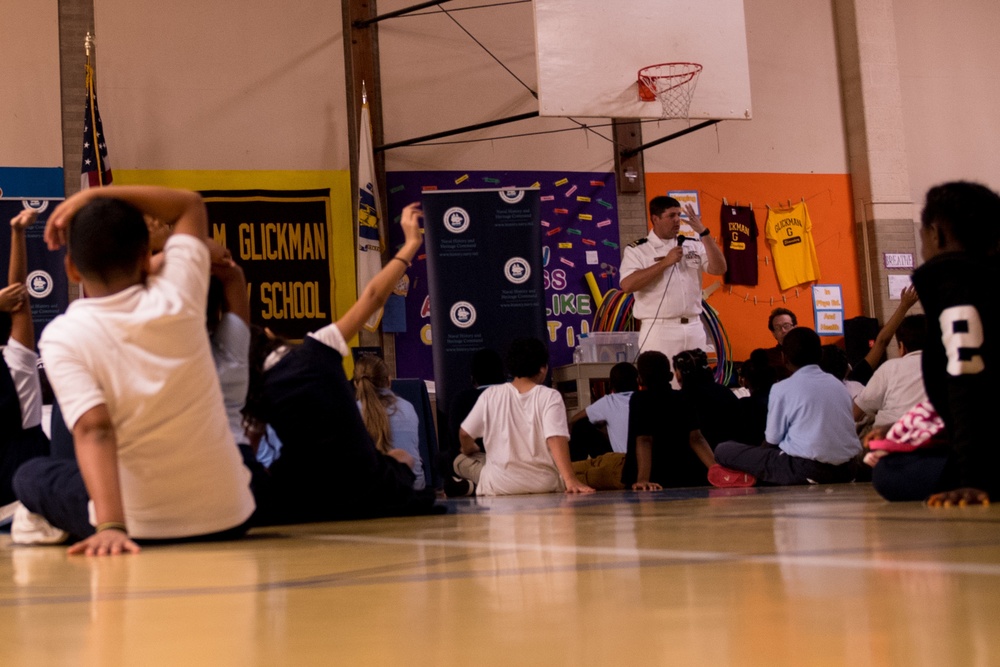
828, 197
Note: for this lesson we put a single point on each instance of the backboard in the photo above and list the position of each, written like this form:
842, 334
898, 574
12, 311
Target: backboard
589, 53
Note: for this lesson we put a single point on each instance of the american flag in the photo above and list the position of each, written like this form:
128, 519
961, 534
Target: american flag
96, 170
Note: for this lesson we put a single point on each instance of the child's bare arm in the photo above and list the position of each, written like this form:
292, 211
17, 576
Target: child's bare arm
559, 448
22, 327
380, 287
183, 210
96, 447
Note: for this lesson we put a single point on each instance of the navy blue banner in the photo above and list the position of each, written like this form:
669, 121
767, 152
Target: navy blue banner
47, 286
280, 238
484, 273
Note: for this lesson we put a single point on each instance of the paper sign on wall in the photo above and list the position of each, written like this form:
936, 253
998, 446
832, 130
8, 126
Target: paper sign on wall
828, 308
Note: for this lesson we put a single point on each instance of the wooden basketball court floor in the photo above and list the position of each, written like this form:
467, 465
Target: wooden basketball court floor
826, 575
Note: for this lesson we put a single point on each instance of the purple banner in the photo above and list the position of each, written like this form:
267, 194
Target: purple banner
579, 225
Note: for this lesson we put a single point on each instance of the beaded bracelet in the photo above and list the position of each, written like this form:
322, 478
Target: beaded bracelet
111, 525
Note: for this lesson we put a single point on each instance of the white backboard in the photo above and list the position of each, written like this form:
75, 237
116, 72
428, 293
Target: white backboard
589, 53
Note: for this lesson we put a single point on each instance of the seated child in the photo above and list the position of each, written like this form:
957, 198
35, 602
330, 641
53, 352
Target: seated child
714, 405
665, 447
598, 459
610, 410
960, 238
328, 467
391, 420
898, 384
810, 437
132, 371
486, 370
21, 435
523, 425
756, 376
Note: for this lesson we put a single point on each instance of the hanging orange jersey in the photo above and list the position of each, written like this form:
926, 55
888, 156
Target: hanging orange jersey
789, 231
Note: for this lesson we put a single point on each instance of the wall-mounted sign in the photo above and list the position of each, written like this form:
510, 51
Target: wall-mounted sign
898, 260
828, 308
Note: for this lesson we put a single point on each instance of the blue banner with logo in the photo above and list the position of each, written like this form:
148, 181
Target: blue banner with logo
578, 223
484, 273
46, 283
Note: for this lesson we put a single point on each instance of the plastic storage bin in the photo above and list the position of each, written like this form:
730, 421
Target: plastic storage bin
605, 347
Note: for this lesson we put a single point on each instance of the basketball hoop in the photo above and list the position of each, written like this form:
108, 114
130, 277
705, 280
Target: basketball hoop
671, 83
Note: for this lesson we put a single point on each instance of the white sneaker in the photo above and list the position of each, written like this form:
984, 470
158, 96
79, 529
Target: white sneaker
31, 528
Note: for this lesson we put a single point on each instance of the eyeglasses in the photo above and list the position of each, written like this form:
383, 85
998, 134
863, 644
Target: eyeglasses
784, 327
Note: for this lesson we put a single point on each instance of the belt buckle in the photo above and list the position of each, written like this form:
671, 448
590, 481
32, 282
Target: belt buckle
684, 320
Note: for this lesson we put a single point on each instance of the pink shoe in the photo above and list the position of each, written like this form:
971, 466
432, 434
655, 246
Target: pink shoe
727, 478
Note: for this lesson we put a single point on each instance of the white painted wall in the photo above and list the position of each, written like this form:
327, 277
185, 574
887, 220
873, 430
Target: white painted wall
260, 85
434, 78
30, 116
797, 124
222, 85
949, 54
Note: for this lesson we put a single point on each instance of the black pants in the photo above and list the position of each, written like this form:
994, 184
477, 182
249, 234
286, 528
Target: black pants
771, 465
54, 488
329, 467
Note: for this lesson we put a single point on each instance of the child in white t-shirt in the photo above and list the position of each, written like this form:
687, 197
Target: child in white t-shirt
523, 426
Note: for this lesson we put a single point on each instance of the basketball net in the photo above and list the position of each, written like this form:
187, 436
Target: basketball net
671, 83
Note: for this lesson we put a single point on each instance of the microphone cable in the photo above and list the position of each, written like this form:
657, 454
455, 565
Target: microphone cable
680, 244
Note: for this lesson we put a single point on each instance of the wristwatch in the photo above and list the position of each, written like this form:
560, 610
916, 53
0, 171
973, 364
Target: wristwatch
705, 232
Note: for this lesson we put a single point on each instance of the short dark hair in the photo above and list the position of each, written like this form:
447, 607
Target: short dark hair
624, 377
487, 367
911, 332
527, 357
654, 370
691, 366
757, 372
108, 239
657, 205
834, 361
970, 211
803, 348
778, 312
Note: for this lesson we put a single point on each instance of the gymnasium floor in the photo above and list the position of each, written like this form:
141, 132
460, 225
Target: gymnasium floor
790, 576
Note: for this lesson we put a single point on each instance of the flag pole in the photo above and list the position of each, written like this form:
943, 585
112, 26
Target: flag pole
88, 44
369, 214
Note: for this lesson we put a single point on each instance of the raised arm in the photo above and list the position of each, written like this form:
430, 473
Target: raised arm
183, 210
234, 282
907, 299
377, 291
716, 260
22, 328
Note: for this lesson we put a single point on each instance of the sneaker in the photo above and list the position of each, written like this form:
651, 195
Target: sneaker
31, 528
456, 487
726, 478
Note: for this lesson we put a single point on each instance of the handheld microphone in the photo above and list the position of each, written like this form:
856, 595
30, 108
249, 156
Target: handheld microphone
681, 239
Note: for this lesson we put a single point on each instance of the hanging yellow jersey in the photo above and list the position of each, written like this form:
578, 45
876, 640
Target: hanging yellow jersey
789, 232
